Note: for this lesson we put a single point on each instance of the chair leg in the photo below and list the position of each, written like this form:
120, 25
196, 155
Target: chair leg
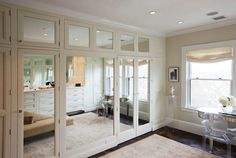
211, 145
229, 150
204, 142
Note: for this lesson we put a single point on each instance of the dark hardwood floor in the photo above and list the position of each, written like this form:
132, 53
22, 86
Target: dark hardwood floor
190, 139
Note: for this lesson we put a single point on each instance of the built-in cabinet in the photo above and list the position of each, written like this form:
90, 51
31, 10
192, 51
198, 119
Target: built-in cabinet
43, 32
5, 20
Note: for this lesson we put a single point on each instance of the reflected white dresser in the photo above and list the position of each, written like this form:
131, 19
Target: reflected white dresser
42, 101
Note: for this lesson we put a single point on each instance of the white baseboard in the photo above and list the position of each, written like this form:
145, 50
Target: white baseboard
185, 126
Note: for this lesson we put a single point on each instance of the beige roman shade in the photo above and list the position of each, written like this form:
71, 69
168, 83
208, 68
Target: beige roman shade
210, 55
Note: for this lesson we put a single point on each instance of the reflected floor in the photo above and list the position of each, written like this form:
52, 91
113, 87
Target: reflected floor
87, 127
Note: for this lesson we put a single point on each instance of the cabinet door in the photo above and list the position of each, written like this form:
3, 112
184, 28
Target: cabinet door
38, 30
77, 35
4, 104
4, 25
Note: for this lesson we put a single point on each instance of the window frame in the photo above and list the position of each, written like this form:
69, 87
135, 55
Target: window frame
185, 88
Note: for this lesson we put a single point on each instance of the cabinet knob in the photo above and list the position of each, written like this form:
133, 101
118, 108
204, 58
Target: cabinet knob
20, 111
20, 41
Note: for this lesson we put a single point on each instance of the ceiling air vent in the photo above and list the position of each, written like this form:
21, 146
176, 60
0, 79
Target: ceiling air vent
219, 17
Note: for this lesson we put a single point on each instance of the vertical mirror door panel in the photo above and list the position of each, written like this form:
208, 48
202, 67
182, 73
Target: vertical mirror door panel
38, 99
4, 24
126, 96
89, 103
143, 92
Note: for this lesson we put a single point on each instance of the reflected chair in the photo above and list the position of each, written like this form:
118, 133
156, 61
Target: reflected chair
217, 134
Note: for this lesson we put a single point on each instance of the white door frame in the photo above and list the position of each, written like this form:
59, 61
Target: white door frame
21, 53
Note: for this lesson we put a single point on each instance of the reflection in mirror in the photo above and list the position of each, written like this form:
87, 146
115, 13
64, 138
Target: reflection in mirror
143, 44
127, 43
39, 113
89, 101
126, 77
37, 30
78, 36
143, 92
104, 39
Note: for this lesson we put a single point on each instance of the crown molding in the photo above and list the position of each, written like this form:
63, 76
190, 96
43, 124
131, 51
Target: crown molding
203, 27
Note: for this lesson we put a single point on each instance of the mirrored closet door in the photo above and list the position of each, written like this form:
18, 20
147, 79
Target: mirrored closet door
143, 79
89, 104
38, 107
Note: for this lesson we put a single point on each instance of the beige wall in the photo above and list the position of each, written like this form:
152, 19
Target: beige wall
173, 58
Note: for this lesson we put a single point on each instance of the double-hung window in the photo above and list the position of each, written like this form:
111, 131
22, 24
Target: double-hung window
208, 76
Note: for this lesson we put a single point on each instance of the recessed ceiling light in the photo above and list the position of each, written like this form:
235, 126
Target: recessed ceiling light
45, 34
76, 39
98, 31
180, 22
152, 12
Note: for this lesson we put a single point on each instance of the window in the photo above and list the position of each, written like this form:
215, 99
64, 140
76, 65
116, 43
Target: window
209, 75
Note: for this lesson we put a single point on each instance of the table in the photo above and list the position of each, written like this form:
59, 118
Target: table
217, 113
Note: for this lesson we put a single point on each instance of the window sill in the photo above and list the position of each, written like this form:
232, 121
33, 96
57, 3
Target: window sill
191, 110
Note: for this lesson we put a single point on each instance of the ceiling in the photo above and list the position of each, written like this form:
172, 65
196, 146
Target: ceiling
134, 13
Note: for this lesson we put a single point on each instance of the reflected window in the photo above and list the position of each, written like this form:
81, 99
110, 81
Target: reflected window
143, 44
104, 39
127, 43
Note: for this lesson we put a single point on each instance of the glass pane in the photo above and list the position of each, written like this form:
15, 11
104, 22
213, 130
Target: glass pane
78, 36
214, 70
1, 25
143, 92
126, 94
127, 43
104, 39
143, 44
39, 113
207, 92
1, 136
38, 30
89, 101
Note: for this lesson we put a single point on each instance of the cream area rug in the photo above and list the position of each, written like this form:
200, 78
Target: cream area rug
157, 146
87, 128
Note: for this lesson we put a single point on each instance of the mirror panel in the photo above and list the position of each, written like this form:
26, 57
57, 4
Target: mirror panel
78, 36
143, 92
39, 106
104, 39
126, 89
127, 43
2, 24
89, 102
38, 30
143, 44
